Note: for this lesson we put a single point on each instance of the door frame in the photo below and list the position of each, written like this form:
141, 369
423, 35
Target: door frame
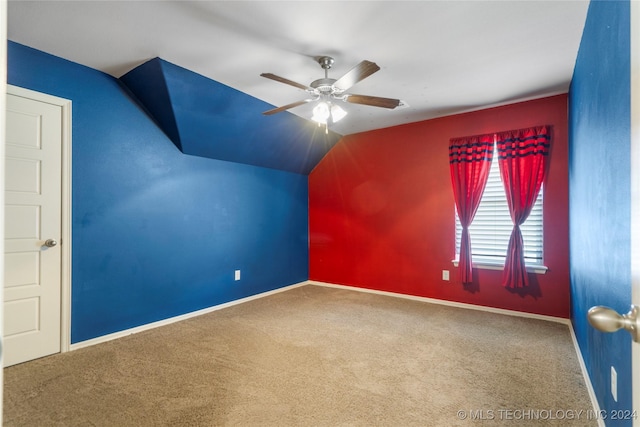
3, 111
635, 191
65, 237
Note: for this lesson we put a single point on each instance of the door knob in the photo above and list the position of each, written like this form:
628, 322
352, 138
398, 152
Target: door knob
51, 243
606, 319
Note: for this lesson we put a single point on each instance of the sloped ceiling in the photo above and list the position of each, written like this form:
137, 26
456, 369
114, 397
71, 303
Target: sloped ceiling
438, 57
206, 118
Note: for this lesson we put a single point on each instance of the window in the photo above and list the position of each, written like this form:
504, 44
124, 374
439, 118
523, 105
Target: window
491, 227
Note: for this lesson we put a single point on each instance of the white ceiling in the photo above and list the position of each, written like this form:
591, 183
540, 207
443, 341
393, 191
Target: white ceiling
439, 57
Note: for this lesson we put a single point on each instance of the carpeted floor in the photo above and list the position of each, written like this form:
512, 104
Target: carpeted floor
313, 356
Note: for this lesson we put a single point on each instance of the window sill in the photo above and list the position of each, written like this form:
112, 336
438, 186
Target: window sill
537, 269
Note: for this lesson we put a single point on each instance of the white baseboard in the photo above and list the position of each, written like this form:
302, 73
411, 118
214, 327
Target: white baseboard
137, 329
126, 332
587, 380
449, 303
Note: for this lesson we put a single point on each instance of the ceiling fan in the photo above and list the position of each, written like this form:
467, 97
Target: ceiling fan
327, 91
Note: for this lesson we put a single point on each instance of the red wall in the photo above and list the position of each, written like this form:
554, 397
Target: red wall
382, 215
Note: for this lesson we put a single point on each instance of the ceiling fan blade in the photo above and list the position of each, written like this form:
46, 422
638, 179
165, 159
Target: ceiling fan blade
286, 107
285, 81
356, 74
374, 101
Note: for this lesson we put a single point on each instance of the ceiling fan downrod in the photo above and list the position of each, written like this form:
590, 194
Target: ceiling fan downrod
326, 62
324, 86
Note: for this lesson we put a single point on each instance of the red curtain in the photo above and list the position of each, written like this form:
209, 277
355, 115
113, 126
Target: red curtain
469, 161
522, 158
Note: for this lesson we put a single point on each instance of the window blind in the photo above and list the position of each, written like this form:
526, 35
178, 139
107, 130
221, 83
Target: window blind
491, 227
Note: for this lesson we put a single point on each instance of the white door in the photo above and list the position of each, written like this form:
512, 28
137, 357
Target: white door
32, 285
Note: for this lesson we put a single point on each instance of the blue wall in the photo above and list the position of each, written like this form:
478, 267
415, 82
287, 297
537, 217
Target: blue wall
599, 187
208, 119
157, 233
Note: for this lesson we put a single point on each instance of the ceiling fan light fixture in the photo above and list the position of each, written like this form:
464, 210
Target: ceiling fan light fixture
337, 113
325, 111
321, 113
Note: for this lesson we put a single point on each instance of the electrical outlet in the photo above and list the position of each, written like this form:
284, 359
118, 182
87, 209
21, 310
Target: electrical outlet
614, 383
445, 275
237, 275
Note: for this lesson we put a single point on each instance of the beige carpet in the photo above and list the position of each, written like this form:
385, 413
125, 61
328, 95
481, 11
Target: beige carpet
313, 356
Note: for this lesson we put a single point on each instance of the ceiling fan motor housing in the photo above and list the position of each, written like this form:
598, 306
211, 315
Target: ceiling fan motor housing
324, 86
